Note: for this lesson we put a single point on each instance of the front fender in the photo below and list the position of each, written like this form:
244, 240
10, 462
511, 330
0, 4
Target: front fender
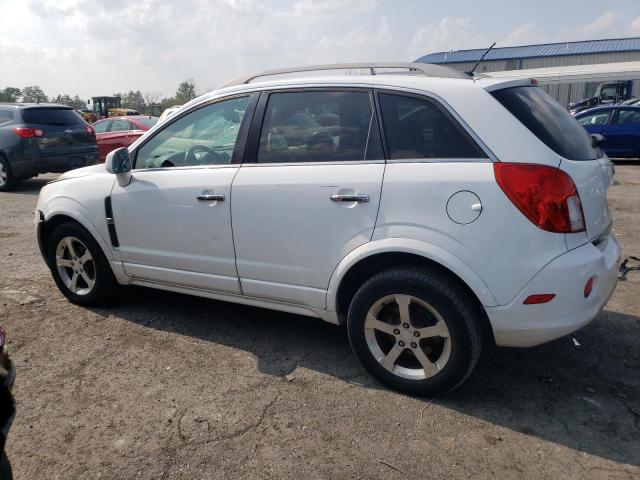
416, 247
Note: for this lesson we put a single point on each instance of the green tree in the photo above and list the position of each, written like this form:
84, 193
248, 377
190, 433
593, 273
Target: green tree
186, 91
33, 94
78, 103
10, 94
75, 102
133, 100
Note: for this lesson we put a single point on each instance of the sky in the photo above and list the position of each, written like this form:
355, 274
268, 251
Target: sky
93, 48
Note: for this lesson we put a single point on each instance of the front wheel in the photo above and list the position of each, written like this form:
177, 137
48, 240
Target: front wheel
415, 331
78, 265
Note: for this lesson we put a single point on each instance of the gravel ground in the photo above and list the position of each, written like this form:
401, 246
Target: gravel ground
169, 386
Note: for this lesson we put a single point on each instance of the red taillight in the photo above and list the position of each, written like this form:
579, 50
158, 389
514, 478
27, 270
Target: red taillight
589, 286
539, 298
91, 130
25, 132
545, 195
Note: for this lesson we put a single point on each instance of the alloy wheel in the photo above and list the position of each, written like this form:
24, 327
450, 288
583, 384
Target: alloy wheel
407, 336
75, 265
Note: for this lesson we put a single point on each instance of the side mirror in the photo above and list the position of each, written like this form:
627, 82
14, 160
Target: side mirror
118, 162
597, 140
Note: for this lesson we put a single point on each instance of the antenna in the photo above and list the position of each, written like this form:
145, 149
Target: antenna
470, 72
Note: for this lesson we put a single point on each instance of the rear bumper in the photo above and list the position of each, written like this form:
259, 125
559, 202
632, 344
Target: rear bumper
54, 163
64, 163
519, 325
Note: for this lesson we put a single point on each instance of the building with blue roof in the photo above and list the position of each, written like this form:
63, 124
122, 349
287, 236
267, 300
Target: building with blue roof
522, 57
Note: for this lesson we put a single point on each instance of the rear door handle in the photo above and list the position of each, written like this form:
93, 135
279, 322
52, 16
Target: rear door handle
358, 197
210, 197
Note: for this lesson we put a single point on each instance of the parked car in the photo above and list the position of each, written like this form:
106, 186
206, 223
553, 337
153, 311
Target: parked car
634, 102
606, 94
7, 403
394, 207
619, 125
112, 133
40, 138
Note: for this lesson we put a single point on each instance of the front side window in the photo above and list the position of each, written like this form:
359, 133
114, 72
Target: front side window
416, 128
629, 116
319, 126
206, 136
120, 125
101, 127
601, 118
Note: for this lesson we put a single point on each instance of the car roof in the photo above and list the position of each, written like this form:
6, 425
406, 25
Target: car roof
400, 81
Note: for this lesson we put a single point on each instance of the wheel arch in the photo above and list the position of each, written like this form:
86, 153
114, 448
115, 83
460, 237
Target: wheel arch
363, 263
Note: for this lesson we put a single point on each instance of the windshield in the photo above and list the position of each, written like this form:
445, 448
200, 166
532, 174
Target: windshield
51, 116
548, 121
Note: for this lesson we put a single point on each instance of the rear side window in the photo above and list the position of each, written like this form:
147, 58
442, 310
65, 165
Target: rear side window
417, 128
625, 116
120, 125
319, 126
548, 121
51, 116
600, 118
6, 116
146, 121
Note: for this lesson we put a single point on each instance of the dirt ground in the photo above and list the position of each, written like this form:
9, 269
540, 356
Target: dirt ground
169, 386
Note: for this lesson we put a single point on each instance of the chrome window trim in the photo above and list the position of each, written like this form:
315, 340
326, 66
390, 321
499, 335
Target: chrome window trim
301, 164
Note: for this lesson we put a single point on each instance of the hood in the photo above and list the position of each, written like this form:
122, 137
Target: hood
82, 172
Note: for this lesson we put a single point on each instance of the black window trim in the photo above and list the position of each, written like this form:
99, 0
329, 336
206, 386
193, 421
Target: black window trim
253, 143
241, 139
464, 129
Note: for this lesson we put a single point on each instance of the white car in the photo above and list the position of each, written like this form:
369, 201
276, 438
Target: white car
430, 213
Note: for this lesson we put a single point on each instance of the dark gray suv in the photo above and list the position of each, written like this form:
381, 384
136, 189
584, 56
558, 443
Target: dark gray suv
41, 138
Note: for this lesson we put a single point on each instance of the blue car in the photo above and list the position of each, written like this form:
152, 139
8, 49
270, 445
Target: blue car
619, 125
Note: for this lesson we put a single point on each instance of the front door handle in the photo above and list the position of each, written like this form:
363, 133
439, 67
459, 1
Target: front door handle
358, 197
210, 197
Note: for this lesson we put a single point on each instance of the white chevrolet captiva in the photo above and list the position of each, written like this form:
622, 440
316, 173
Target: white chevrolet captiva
430, 211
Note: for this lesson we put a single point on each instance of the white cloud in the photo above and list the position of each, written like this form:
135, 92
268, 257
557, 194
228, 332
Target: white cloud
635, 26
602, 23
528, 33
451, 33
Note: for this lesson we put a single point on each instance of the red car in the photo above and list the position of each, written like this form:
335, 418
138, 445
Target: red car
116, 132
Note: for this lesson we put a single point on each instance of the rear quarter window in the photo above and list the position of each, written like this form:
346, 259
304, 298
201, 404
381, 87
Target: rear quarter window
548, 121
51, 116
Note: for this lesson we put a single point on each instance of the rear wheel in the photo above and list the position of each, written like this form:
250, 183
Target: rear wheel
78, 265
7, 180
415, 331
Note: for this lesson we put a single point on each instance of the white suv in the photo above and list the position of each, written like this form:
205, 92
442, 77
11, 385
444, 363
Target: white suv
430, 211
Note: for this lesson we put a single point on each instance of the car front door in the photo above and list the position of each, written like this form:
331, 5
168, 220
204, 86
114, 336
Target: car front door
308, 192
173, 220
626, 132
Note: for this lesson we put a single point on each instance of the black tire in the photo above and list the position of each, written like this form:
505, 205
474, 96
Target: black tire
5, 468
452, 305
105, 283
10, 180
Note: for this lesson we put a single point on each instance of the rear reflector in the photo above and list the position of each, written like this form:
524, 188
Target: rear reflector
28, 132
545, 195
539, 298
589, 287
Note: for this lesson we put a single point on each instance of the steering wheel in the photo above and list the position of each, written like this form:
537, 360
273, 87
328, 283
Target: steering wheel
191, 159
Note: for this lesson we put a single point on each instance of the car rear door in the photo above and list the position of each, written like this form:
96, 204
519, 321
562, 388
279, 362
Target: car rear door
116, 137
173, 220
308, 192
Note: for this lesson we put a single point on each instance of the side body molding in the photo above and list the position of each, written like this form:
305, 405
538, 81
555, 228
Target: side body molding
416, 247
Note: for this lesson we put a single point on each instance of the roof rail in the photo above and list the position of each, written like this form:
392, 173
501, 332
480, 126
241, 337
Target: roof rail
427, 69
